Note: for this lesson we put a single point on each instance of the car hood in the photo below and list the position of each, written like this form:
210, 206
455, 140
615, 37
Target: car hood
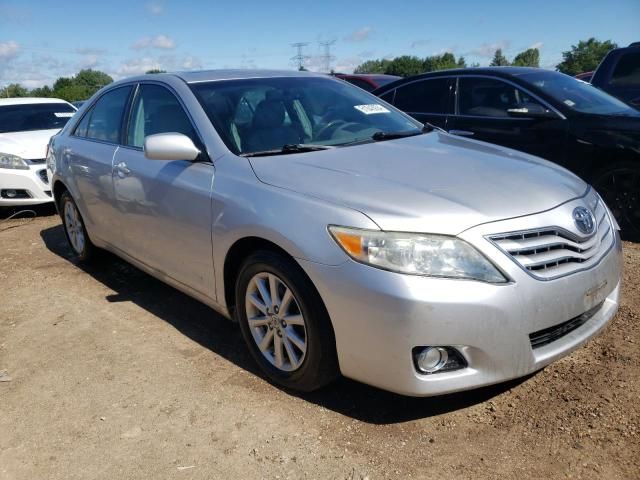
30, 145
435, 183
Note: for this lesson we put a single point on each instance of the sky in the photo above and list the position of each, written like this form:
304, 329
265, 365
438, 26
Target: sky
43, 40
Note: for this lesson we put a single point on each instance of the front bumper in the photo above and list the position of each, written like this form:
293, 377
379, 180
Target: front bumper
379, 316
34, 181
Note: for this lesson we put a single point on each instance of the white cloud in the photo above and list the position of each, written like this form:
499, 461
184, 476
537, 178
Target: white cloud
138, 66
161, 42
9, 50
155, 8
489, 49
537, 45
359, 35
421, 42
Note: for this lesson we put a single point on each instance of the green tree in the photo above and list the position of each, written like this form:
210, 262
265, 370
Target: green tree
42, 92
14, 90
499, 60
442, 62
373, 66
585, 56
156, 70
405, 66
529, 58
81, 86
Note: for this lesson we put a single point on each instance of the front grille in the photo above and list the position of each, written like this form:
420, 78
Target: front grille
551, 334
43, 175
553, 252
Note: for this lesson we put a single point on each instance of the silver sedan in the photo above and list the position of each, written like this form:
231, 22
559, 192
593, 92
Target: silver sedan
343, 236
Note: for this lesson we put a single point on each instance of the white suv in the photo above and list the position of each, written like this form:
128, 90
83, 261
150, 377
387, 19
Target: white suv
26, 125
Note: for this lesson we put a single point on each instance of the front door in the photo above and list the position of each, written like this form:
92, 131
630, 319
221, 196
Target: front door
165, 206
428, 100
490, 109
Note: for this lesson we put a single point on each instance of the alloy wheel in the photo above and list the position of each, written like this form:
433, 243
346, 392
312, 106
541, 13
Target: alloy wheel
74, 227
276, 321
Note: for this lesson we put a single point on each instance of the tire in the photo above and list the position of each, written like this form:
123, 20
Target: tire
306, 323
74, 229
619, 186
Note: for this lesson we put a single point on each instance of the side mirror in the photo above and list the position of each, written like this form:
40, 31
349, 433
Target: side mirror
170, 146
532, 110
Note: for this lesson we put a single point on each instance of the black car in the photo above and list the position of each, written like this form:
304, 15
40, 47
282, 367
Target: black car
619, 74
541, 112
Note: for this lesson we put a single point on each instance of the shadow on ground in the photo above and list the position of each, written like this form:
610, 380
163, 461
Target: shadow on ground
214, 332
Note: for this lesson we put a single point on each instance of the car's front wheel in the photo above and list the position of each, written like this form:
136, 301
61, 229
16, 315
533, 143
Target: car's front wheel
619, 186
74, 228
285, 323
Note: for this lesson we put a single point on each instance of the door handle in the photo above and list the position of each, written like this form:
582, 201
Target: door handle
122, 170
461, 133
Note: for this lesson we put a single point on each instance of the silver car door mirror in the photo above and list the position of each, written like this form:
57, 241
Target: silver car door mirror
170, 146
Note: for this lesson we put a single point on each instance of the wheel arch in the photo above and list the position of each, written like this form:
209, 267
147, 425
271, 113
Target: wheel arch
236, 255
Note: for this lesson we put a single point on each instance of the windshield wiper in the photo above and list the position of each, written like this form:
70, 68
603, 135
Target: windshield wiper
289, 148
379, 136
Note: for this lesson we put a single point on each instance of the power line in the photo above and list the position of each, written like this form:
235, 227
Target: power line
299, 59
327, 58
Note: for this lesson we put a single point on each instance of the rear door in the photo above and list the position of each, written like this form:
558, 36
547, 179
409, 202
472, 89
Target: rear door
89, 153
490, 109
165, 206
427, 100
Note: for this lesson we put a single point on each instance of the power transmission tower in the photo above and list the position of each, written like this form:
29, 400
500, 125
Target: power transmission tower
299, 59
327, 58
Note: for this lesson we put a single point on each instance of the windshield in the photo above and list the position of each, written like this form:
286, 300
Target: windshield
578, 95
262, 114
34, 116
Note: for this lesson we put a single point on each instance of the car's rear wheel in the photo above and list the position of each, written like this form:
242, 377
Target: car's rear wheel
619, 186
74, 228
285, 323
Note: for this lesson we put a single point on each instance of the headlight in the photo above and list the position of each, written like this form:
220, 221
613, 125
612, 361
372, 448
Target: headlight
416, 254
12, 161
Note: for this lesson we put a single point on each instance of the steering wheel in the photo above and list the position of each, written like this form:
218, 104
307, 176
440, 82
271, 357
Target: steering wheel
329, 127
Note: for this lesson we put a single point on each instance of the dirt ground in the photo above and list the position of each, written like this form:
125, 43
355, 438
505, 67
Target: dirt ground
111, 374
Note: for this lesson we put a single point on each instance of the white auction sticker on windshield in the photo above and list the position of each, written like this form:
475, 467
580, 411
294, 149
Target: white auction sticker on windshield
63, 114
371, 109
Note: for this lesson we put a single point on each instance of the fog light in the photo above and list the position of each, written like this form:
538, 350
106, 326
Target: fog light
11, 193
428, 360
431, 359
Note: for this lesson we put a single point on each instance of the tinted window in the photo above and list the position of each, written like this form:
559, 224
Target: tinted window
255, 115
35, 116
627, 71
578, 95
105, 121
487, 97
388, 97
424, 96
156, 110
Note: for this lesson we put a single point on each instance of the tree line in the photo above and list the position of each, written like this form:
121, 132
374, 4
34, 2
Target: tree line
583, 57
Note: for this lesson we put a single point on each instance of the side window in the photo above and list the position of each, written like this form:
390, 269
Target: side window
81, 128
424, 96
488, 97
388, 97
105, 119
156, 110
627, 71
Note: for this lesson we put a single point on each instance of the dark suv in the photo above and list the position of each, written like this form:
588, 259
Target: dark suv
619, 74
541, 112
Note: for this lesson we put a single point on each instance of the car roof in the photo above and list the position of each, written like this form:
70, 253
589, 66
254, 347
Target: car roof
505, 72
236, 74
29, 100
